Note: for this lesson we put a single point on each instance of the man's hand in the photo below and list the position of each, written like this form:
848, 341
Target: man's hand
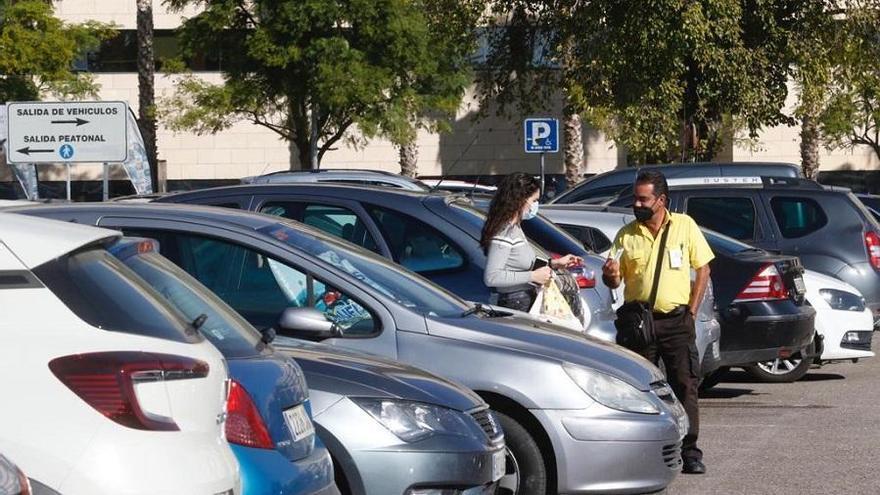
566, 261
611, 273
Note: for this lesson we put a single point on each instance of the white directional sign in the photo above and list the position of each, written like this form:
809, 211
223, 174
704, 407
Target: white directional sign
59, 132
541, 135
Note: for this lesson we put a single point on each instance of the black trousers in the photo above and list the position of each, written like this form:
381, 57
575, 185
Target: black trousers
676, 346
520, 300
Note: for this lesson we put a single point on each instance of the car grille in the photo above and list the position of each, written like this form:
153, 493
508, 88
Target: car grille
863, 344
672, 455
488, 423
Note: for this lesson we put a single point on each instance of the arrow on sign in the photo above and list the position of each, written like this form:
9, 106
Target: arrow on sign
27, 150
78, 122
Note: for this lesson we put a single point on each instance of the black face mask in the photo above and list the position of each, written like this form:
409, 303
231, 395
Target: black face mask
643, 213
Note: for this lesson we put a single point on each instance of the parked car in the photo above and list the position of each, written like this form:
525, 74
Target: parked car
831, 231
13, 481
458, 186
115, 392
340, 176
605, 186
598, 224
579, 415
392, 427
755, 328
269, 418
435, 235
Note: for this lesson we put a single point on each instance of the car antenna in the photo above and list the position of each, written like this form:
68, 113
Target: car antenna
451, 167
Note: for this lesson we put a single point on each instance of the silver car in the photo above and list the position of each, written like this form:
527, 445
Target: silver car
596, 227
579, 415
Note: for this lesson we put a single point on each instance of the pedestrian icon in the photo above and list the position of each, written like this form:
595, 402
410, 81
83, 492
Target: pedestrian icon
66, 151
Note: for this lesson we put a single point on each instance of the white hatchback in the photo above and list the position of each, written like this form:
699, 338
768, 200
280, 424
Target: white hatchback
107, 390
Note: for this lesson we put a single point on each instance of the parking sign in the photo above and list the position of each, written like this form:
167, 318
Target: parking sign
541, 135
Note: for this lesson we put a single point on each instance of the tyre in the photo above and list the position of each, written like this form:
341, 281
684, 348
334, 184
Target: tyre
713, 378
780, 370
526, 473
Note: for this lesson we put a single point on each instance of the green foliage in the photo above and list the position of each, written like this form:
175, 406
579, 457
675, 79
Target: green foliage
851, 115
37, 51
387, 66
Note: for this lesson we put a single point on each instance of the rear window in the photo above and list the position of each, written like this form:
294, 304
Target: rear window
725, 245
551, 237
226, 329
797, 217
731, 216
106, 294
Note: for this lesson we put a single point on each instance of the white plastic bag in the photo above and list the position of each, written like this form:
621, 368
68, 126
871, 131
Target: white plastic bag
539, 311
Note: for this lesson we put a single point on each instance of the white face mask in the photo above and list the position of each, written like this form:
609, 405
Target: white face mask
532, 212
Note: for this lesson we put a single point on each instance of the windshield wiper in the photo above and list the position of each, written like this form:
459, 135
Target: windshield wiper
483, 310
476, 308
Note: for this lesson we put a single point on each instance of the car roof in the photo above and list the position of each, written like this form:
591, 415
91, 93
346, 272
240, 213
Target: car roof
588, 208
353, 191
37, 240
351, 174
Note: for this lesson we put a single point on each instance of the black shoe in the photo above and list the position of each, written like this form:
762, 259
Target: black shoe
693, 466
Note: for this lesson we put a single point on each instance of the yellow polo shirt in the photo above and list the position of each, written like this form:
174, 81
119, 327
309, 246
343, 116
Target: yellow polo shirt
686, 248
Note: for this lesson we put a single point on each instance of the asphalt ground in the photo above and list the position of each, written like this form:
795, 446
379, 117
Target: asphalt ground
818, 435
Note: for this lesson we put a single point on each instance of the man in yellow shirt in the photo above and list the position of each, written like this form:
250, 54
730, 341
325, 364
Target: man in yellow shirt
677, 301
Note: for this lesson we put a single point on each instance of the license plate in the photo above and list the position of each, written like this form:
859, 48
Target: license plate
499, 465
799, 285
299, 423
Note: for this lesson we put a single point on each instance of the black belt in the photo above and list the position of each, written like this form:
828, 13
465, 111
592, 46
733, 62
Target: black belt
678, 311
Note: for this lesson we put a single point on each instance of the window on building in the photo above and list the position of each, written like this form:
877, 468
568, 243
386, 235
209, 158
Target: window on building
119, 54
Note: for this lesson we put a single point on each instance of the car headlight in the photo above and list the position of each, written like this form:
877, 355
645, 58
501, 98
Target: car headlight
414, 421
611, 392
842, 300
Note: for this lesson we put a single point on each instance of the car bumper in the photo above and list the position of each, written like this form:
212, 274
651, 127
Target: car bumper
375, 461
755, 335
267, 471
629, 453
833, 325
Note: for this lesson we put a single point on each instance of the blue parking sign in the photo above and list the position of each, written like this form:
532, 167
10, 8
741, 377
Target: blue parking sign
541, 135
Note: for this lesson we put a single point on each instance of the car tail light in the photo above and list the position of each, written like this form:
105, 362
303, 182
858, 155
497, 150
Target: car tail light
244, 425
106, 381
872, 243
767, 285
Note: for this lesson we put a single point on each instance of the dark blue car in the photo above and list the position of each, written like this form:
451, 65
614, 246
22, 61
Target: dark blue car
268, 423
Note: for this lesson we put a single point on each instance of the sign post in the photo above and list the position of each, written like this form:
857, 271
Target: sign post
67, 132
541, 135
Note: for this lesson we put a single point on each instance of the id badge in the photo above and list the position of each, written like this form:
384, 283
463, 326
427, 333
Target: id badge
675, 258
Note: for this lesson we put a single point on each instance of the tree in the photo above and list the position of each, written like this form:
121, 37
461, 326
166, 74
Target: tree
662, 77
851, 116
310, 70
146, 64
37, 51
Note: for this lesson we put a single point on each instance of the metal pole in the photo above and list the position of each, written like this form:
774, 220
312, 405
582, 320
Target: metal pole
106, 186
542, 175
68, 181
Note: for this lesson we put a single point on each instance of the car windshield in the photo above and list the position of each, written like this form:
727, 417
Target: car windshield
380, 276
226, 329
726, 245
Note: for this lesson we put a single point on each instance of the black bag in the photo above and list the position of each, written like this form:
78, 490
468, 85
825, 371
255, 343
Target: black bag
635, 319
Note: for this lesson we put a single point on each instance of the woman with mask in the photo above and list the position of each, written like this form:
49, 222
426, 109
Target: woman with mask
512, 270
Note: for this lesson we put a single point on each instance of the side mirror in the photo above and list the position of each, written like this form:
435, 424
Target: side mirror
307, 324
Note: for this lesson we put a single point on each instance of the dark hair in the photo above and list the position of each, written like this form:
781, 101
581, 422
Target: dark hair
508, 201
655, 178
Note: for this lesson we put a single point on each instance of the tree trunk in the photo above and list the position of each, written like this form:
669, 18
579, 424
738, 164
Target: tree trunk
574, 148
409, 157
146, 86
809, 146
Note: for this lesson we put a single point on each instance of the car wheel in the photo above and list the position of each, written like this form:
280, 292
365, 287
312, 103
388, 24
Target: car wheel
713, 378
526, 472
780, 370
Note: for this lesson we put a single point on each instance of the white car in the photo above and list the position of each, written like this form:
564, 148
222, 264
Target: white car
108, 390
844, 326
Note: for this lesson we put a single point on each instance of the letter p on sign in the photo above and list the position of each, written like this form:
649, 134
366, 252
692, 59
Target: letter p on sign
541, 135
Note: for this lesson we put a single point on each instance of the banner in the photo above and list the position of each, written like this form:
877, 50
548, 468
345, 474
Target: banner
137, 166
26, 174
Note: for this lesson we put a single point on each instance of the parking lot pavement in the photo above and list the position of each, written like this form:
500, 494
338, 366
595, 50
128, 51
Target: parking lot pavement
819, 435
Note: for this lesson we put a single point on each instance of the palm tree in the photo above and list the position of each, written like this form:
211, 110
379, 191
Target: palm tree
146, 85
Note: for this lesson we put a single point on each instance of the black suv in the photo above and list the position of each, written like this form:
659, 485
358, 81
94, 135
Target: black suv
828, 228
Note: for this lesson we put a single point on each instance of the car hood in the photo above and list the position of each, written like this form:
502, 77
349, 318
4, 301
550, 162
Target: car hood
526, 335
354, 374
816, 281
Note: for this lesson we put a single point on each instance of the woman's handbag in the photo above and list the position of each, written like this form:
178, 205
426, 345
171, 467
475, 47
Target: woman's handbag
635, 319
